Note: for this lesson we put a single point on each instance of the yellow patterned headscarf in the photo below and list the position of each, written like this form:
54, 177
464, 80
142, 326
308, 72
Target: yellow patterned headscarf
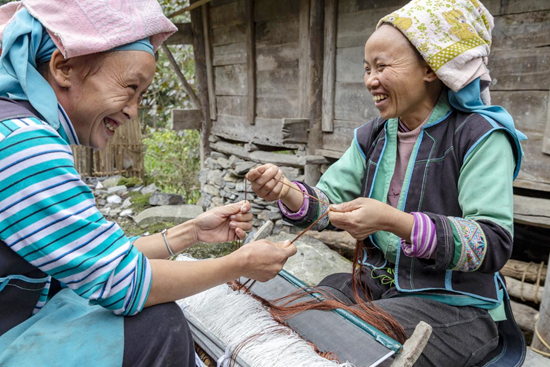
453, 36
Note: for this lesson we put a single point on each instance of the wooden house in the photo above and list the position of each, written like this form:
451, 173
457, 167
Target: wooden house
287, 75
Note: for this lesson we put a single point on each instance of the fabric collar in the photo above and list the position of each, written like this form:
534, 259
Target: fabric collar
66, 129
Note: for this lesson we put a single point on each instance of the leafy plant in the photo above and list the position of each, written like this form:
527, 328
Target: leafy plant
172, 161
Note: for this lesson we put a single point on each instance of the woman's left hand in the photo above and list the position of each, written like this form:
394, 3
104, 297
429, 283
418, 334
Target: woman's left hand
225, 223
363, 216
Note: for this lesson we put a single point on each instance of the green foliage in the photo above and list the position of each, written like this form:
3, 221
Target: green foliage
139, 201
172, 161
130, 181
212, 250
165, 92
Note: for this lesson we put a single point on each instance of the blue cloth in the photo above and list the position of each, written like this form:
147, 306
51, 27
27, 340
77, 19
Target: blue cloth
66, 332
25, 45
468, 99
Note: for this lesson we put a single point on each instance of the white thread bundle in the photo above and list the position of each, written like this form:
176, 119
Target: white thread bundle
233, 317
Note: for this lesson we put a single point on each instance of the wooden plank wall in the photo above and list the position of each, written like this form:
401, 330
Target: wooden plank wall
277, 54
519, 64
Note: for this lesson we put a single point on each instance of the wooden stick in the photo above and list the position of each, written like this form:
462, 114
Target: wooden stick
190, 92
188, 8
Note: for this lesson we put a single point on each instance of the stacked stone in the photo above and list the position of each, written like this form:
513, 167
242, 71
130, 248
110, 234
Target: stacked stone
223, 182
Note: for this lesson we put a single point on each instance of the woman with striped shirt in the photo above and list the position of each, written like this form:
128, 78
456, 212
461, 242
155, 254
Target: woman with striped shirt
66, 273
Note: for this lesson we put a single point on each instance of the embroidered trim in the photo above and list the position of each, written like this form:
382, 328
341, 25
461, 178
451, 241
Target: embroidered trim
474, 244
321, 208
302, 211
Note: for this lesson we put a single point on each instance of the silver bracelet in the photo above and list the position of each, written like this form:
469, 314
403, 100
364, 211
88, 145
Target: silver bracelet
163, 232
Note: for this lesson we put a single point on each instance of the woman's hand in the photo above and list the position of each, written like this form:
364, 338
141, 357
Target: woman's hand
363, 216
269, 183
262, 260
225, 223
266, 182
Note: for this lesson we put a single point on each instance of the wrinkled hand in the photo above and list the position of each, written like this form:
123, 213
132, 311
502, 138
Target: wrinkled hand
264, 259
224, 223
265, 181
360, 217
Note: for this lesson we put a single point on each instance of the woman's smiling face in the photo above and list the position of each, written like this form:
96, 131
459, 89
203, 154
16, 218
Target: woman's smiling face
100, 100
396, 75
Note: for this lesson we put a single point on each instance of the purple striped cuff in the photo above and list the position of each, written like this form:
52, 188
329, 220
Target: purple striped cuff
423, 237
301, 212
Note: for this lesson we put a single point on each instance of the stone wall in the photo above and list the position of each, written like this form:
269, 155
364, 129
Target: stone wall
223, 182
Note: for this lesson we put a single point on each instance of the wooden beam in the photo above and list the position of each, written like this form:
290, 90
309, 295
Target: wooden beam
190, 92
329, 66
329, 153
184, 35
542, 337
304, 58
186, 119
532, 211
315, 86
209, 67
295, 130
525, 316
193, 5
413, 347
259, 156
546, 137
250, 61
201, 78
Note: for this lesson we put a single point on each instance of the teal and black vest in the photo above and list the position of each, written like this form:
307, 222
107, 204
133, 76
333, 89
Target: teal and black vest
433, 190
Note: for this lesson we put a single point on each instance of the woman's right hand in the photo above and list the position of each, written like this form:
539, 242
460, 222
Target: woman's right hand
267, 182
262, 260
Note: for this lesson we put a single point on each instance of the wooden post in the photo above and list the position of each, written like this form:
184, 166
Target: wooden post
315, 86
304, 58
201, 79
209, 66
250, 61
546, 137
190, 92
542, 327
329, 67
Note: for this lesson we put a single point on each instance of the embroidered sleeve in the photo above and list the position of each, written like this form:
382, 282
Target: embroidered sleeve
311, 209
473, 243
423, 239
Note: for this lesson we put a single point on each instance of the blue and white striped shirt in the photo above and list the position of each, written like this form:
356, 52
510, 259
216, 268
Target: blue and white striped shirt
48, 217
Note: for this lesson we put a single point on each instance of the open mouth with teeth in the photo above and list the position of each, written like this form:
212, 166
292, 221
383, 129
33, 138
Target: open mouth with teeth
110, 124
379, 97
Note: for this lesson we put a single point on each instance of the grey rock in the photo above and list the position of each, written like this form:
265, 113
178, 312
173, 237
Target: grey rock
230, 178
150, 189
278, 227
217, 201
230, 185
114, 199
203, 174
215, 177
233, 197
217, 155
105, 211
168, 213
99, 186
211, 190
241, 168
239, 186
224, 163
158, 199
135, 188
212, 163
273, 216
102, 202
533, 359
314, 260
126, 204
119, 190
126, 213
100, 192
291, 173
115, 212
233, 160
111, 181
264, 215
